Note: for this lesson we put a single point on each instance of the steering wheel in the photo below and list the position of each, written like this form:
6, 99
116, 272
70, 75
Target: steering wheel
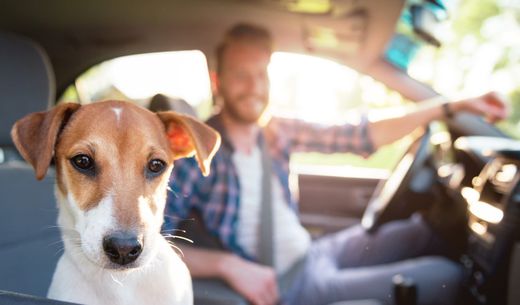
386, 195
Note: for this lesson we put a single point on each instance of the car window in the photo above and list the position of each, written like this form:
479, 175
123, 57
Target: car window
323, 91
302, 86
136, 78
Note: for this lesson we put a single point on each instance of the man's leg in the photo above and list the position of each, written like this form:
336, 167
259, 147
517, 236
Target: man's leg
394, 241
437, 281
353, 264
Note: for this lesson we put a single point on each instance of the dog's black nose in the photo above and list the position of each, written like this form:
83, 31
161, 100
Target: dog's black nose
122, 248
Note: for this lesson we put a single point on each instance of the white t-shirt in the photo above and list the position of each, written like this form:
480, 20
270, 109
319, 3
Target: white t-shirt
291, 240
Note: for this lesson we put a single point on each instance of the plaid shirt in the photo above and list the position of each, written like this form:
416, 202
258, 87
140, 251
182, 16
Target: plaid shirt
217, 196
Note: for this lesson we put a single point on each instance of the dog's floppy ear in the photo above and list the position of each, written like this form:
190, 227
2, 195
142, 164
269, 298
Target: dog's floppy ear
35, 135
189, 136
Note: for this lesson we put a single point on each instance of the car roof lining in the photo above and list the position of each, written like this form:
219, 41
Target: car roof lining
80, 34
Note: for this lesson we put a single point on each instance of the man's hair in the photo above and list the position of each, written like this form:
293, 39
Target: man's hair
244, 33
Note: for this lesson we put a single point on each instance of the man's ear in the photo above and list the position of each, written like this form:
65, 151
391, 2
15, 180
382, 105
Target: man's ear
189, 136
215, 82
35, 135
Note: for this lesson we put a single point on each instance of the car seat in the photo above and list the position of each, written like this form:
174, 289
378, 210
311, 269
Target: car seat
30, 241
161, 102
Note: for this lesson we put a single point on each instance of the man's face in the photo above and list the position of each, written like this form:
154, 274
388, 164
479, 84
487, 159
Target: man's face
243, 82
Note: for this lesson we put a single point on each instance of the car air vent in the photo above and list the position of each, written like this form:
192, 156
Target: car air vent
496, 182
504, 178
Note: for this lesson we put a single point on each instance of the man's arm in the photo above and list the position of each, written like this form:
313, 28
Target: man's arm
257, 283
491, 106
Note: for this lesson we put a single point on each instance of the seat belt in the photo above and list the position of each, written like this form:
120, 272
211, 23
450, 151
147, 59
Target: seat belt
265, 242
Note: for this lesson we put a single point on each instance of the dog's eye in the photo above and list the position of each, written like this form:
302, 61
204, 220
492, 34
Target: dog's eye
156, 166
82, 162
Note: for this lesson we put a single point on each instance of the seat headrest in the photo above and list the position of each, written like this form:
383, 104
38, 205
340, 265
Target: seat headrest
27, 81
161, 102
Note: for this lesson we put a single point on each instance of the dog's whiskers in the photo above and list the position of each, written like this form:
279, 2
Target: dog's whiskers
60, 227
54, 243
178, 230
176, 248
73, 249
178, 237
59, 251
116, 280
172, 217
174, 192
75, 242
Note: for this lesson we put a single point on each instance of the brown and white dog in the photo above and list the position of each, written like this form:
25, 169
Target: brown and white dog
113, 160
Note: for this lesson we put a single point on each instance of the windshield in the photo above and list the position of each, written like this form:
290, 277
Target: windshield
479, 52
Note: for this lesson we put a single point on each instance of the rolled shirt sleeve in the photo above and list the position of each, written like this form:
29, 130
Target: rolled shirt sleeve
304, 136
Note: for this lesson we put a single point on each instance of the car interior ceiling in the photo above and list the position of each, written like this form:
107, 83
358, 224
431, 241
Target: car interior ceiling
75, 42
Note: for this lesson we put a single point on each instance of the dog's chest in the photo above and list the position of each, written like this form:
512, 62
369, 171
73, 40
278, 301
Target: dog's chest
168, 282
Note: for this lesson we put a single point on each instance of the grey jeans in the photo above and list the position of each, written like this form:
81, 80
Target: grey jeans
352, 264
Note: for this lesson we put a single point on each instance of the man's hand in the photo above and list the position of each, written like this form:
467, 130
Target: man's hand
492, 106
257, 283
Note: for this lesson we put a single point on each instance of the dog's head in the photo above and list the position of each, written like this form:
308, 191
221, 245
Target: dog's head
113, 160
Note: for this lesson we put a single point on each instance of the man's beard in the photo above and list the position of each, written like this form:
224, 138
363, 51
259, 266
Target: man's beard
234, 111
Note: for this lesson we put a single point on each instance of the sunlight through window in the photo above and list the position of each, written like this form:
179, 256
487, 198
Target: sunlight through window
304, 86
180, 74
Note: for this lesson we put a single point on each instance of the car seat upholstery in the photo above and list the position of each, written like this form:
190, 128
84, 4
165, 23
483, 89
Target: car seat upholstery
26, 85
30, 241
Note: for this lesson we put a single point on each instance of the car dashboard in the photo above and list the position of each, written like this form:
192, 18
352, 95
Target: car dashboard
485, 172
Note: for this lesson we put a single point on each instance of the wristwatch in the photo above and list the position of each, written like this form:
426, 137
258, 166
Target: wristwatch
446, 110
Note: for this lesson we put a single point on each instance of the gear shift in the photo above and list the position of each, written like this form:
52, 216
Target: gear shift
405, 290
